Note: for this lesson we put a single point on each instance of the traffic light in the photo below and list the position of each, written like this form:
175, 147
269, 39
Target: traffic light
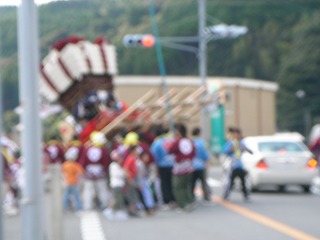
146, 41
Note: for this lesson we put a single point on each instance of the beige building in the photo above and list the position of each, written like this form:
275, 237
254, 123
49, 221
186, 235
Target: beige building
247, 103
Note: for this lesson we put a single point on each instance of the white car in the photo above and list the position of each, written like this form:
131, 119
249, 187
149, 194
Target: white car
279, 160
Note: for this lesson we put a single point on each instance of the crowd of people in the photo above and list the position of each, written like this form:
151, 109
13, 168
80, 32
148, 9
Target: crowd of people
137, 171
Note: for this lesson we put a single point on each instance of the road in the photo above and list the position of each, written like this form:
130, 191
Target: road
269, 215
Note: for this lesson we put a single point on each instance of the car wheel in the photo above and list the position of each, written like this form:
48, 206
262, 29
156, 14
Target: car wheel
306, 188
281, 188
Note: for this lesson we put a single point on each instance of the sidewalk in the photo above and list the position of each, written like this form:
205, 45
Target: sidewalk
71, 227
70, 223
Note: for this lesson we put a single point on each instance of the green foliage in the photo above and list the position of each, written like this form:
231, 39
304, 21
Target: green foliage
301, 71
51, 125
9, 78
10, 120
281, 43
8, 31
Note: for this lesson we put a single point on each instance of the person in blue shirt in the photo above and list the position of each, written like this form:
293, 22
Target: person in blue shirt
164, 162
200, 162
233, 149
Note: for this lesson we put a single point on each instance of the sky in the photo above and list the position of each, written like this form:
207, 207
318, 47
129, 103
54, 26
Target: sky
16, 2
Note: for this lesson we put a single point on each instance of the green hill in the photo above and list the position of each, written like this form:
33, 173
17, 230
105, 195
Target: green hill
273, 49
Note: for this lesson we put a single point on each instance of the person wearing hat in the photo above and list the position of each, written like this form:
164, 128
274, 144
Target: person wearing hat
95, 161
130, 167
131, 139
54, 150
76, 145
72, 171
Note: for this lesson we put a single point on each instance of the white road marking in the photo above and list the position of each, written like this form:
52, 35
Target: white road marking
90, 225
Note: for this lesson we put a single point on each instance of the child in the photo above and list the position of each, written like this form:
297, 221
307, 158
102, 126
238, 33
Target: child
71, 171
117, 182
142, 182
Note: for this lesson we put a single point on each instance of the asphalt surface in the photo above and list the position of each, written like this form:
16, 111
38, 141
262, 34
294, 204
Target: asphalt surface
268, 215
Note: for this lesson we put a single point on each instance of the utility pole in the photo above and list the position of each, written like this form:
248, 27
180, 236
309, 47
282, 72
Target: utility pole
161, 64
203, 61
205, 34
32, 192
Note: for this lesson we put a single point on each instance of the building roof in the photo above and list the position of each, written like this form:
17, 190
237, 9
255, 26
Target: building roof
196, 81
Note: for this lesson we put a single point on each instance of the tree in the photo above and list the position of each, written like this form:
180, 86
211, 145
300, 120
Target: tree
301, 70
10, 120
268, 51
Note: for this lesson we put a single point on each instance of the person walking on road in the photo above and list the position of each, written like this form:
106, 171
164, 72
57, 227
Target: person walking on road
184, 151
164, 162
200, 162
233, 149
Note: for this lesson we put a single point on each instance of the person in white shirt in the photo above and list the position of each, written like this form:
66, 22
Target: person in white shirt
117, 178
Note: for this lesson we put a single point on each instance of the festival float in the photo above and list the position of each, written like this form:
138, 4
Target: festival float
78, 75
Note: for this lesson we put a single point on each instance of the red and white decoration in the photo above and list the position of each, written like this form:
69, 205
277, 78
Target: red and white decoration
70, 59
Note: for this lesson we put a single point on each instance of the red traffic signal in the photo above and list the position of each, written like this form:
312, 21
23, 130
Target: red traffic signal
146, 41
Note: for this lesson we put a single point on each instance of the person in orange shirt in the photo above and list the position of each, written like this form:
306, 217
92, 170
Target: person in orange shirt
72, 171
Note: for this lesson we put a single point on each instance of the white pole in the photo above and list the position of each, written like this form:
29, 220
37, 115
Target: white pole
32, 193
203, 61
1, 165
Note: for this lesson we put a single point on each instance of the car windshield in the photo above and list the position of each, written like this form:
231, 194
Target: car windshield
281, 147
